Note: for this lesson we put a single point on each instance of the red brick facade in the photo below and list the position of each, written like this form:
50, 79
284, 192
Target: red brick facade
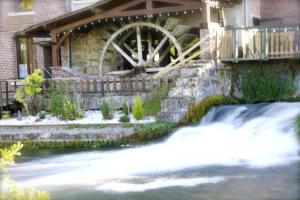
12, 21
288, 11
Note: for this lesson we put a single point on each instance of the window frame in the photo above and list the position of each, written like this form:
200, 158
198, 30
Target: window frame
18, 9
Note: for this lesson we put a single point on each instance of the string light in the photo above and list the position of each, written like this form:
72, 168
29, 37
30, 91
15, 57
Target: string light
129, 18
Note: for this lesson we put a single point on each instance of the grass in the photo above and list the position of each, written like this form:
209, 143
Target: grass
298, 126
152, 131
152, 106
77, 126
197, 111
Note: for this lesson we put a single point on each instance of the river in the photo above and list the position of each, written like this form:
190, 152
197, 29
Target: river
237, 152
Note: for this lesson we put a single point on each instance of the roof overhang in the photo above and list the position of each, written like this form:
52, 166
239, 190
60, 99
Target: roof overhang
111, 9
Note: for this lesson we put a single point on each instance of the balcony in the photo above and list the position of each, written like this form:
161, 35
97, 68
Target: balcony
244, 44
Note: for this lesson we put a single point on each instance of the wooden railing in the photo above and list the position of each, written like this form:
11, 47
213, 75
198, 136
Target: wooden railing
112, 86
237, 44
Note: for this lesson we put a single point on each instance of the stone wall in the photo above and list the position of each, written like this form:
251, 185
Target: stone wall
85, 49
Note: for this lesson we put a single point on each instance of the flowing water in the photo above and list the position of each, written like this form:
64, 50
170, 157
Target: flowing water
236, 152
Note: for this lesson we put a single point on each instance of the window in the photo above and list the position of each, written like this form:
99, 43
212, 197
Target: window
22, 57
24, 5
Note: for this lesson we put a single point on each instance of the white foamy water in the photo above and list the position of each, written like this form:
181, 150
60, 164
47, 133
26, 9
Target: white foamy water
254, 136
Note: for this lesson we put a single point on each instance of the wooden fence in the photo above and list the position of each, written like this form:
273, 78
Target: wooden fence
258, 43
87, 87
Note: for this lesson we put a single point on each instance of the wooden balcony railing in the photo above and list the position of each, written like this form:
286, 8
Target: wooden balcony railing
237, 44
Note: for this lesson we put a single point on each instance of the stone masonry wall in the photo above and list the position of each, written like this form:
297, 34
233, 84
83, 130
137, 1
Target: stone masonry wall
86, 50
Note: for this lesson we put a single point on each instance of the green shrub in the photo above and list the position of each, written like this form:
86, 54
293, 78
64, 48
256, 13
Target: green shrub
11, 191
61, 104
28, 95
264, 85
57, 94
137, 110
125, 108
152, 106
197, 111
298, 126
105, 110
70, 111
289, 87
6, 115
124, 119
152, 131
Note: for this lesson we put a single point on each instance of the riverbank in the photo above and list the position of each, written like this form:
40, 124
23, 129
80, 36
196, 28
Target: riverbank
84, 136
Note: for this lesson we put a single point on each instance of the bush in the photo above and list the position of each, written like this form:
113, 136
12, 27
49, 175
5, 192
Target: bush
70, 111
137, 110
152, 106
125, 108
61, 104
6, 115
124, 119
28, 95
106, 110
152, 131
197, 111
264, 85
298, 126
289, 87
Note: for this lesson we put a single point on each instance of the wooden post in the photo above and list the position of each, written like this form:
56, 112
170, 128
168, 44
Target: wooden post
88, 87
121, 86
1, 101
234, 45
81, 87
95, 86
108, 85
54, 49
7, 95
130, 85
297, 41
115, 86
136, 85
266, 43
102, 87
143, 85
74, 87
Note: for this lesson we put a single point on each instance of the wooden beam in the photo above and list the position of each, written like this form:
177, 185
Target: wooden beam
124, 54
189, 5
156, 50
131, 50
139, 46
149, 5
54, 50
28, 56
59, 43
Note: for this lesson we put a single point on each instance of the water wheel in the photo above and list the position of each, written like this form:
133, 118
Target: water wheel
143, 46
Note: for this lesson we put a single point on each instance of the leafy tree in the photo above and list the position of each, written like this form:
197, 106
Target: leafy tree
9, 190
27, 95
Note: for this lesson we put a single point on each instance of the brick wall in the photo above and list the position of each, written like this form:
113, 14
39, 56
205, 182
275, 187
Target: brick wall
287, 10
12, 21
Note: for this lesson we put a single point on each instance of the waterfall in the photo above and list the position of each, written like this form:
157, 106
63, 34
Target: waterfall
250, 136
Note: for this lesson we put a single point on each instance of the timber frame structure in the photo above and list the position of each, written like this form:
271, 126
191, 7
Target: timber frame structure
62, 27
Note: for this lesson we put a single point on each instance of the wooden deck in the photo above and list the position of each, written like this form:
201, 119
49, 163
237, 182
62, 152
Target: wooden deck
244, 44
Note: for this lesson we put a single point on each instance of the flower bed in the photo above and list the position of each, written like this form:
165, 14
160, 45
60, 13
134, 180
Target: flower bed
90, 117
